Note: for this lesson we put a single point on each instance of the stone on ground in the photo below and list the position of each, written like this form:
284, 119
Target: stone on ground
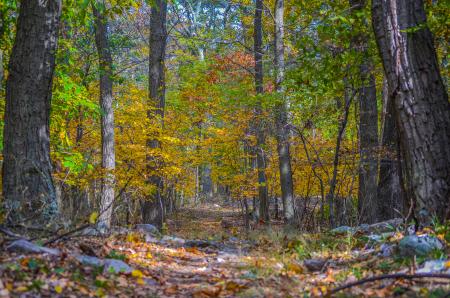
421, 245
25, 246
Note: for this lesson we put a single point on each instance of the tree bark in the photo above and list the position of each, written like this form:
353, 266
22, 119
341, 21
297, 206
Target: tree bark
389, 190
153, 206
107, 118
281, 118
27, 181
420, 101
260, 135
368, 206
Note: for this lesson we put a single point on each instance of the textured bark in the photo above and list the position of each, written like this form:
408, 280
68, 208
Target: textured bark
107, 119
281, 118
153, 206
1, 69
27, 182
389, 192
368, 206
420, 100
260, 135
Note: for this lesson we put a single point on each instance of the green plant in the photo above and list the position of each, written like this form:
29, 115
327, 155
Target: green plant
113, 254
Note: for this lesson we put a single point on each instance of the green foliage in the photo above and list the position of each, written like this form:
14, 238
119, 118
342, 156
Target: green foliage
113, 254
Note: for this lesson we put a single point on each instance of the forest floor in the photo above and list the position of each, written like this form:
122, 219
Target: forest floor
222, 261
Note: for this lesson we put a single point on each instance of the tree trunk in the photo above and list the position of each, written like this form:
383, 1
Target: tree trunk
107, 118
342, 125
260, 135
389, 190
27, 181
420, 101
206, 181
281, 118
1, 69
153, 206
368, 120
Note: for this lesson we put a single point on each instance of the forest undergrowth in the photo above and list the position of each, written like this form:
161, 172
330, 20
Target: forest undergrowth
205, 251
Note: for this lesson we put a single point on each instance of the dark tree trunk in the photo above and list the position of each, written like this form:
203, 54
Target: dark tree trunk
281, 118
260, 135
342, 125
390, 193
421, 103
368, 120
206, 180
153, 206
27, 181
1, 69
107, 118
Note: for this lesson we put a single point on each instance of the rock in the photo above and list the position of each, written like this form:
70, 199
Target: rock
385, 226
173, 240
118, 230
89, 261
421, 245
200, 243
109, 265
148, 229
314, 264
151, 282
374, 239
116, 266
434, 266
364, 228
387, 250
376, 228
342, 230
25, 246
91, 231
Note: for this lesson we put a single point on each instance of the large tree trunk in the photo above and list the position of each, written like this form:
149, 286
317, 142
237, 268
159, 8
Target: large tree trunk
420, 100
27, 181
260, 135
389, 191
153, 206
368, 120
107, 119
281, 118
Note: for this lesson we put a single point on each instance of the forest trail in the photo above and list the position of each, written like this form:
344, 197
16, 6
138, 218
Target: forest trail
205, 252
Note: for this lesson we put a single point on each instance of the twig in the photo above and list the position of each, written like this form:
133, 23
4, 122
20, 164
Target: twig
56, 238
388, 276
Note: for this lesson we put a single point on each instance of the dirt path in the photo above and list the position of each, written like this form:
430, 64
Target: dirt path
205, 253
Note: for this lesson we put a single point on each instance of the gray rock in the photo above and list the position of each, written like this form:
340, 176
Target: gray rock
387, 250
342, 230
314, 264
91, 231
434, 266
118, 230
363, 228
173, 240
116, 266
376, 228
421, 245
90, 261
25, 246
147, 229
385, 226
109, 265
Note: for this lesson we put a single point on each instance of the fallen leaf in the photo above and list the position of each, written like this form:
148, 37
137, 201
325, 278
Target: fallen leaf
137, 273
